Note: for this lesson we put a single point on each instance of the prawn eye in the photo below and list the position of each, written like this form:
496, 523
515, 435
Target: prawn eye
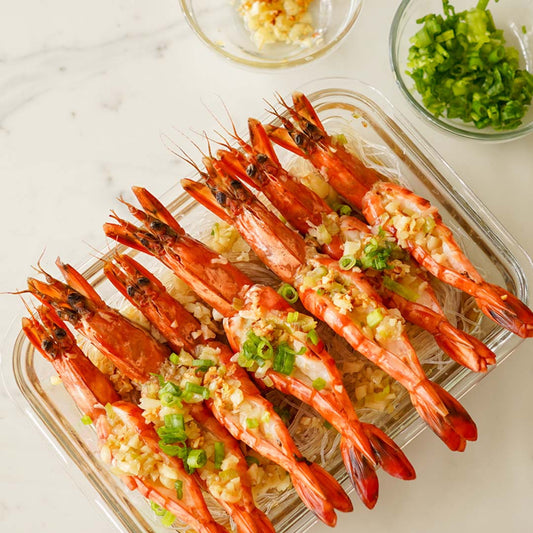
236, 184
298, 139
47, 345
261, 158
145, 242
156, 225
220, 197
60, 333
131, 290
251, 170
143, 281
74, 298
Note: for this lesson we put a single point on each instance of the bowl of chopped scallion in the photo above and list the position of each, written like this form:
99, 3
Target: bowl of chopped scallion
467, 65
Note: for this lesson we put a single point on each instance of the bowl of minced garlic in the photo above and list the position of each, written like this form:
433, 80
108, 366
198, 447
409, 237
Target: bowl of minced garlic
271, 33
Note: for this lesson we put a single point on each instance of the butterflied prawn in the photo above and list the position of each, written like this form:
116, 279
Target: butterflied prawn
344, 300
176, 415
369, 191
267, 306
399, 280
121, 428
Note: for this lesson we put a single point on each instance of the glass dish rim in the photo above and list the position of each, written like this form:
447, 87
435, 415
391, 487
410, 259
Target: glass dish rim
456, 383
494, 136
270, 64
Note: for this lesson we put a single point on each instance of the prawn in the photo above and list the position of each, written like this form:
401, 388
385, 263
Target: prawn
120, 426
263, 320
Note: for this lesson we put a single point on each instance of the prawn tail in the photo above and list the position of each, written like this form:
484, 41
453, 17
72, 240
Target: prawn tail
390, 456
313, 500
253, 521
361, 472
332, 489
463, 348
505, 309
444, 415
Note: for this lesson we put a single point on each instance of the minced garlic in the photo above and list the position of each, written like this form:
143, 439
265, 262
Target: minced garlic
278, 21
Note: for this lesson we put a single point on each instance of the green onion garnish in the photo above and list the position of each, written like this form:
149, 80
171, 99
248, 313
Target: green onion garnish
196, 459
400, 290
174, 429
312, 337
524, 29
347, 262
174, 358
374, 318
178, 485
251, 460
203, 364
319, 384
157, 509
168, 519
289, 293
327, 424
174, 450
462, 69
344, 209
170, 394
264, 349
86, 420
219, 454
252, 423
193, 388
284, 359
292, 317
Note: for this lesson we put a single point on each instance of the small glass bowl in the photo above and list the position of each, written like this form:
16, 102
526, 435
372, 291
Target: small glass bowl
219, 25
509, 15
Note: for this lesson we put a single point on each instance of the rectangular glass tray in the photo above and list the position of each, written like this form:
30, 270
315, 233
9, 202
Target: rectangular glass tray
341, 104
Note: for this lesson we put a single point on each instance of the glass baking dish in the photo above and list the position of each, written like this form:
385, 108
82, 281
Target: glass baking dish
344, 105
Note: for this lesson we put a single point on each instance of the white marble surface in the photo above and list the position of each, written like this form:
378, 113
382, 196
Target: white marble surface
86, 90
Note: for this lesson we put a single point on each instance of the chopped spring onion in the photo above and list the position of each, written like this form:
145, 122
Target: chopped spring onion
284, 359
292, 317
196, 459
203, 364
524, 29
374, 318
169, 394
219, 454
289, 293
193, 388
400, 290
251, 460
157, 509
252, 423
174, 429
319, 384
347, 262
265, 350
174, 450
340, 138
168, 519
174, 358
178, 485
344, 209
327, 424
86, 420
462, 69
312, 336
